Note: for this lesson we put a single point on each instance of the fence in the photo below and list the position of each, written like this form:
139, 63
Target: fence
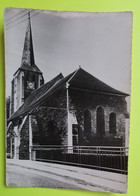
113, 159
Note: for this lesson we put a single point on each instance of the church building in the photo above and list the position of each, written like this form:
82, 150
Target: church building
76, 110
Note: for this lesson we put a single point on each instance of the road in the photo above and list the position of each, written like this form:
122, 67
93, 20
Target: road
22, 177
26, 173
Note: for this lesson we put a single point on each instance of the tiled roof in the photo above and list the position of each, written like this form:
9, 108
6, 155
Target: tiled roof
79, 79
84, 80
33, 68
41, 94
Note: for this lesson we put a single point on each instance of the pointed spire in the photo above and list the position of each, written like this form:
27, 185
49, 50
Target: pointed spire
28, 53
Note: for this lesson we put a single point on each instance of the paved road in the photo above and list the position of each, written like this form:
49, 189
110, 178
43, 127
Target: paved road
25, 173
22, 177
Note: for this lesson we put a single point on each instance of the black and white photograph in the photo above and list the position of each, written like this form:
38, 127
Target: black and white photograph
68, 79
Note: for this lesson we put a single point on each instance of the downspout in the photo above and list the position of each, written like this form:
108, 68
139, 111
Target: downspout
68, 118
69, 125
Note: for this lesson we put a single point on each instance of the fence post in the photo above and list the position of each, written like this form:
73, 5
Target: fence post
102, 158
121, 159
30, 153
99, 157
33, 154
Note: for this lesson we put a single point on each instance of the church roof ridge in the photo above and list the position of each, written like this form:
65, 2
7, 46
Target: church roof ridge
83, 79
79, 79
35, 95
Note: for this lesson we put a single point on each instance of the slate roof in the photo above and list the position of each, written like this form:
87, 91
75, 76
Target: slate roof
35, 95
28, 61
26, 67
85, 80
79, 79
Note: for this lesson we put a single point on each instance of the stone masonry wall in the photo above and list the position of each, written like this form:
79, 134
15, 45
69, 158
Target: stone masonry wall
24, 141
82, 100
50, 123
50, 120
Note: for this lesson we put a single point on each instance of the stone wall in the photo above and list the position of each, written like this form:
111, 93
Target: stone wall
50, 121
83, 100
54, 111
24, 141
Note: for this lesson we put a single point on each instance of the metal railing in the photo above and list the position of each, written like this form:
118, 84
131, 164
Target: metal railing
107, 158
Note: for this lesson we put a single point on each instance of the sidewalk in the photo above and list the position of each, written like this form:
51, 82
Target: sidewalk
85, 178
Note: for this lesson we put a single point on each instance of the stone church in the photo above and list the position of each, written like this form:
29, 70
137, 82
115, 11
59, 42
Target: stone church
76, 110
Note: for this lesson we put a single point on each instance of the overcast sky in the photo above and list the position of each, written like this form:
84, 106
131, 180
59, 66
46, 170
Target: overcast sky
99, 42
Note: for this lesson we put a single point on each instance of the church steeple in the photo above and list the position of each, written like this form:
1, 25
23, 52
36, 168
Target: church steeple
28, 52
28, 77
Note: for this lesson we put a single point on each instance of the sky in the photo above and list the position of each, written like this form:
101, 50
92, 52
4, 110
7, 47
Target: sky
99, 42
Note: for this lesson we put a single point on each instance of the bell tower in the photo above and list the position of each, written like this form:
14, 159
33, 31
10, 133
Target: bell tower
28, 77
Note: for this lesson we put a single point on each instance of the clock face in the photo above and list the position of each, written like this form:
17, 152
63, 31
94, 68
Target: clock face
30, 85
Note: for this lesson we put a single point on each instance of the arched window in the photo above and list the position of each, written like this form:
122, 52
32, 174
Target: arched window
112, 123
100, 121
87, 121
